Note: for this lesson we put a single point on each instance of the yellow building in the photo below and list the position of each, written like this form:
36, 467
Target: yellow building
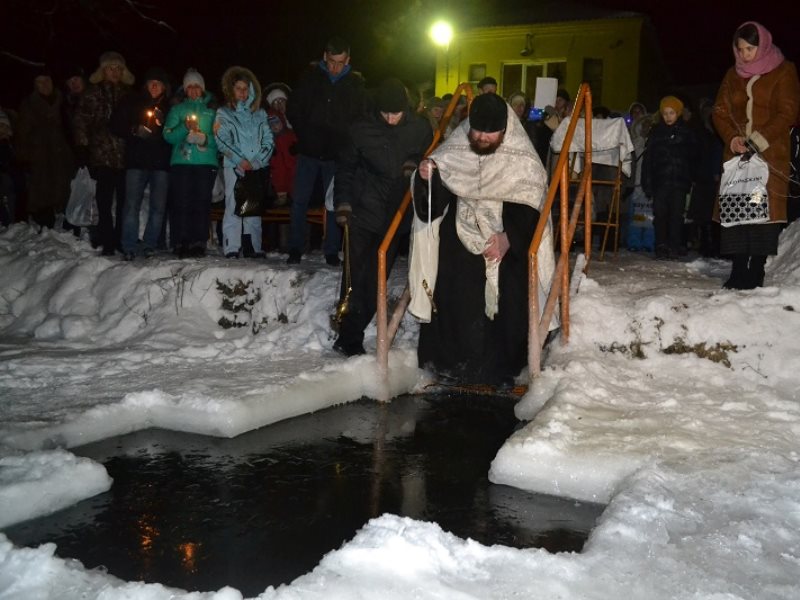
615, 52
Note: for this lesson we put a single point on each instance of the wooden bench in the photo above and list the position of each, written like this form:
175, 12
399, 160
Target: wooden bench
314, 216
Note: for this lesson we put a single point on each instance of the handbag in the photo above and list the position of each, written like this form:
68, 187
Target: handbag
249, 193
743, 197
81, 208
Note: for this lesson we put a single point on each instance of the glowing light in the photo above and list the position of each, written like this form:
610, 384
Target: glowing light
188, 552
441, 33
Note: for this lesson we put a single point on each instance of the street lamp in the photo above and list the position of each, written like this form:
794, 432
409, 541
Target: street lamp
442, 33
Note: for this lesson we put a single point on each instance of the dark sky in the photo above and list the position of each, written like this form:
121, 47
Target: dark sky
277, 39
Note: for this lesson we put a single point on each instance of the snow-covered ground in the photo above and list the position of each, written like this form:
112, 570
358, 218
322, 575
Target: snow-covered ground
675, 402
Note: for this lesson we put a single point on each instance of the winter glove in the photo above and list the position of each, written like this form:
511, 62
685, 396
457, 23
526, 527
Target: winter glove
196, 137
344, 212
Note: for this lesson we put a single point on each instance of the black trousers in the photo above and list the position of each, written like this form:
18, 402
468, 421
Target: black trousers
110, 182
192, 187
364, 282
668, 206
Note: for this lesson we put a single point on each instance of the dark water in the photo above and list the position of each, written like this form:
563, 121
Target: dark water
199, 513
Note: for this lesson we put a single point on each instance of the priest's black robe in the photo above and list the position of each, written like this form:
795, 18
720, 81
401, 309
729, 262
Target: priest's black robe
461, 344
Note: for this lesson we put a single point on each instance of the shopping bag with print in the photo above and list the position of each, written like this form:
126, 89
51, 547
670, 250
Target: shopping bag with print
743, 195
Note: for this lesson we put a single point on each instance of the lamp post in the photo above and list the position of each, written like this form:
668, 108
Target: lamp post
442, 33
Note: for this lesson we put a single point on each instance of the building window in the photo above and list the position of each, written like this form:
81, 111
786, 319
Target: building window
593, 75
477, 72
522, 76
558, 70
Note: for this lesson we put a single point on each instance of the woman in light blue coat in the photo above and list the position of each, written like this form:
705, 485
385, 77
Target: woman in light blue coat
245, 141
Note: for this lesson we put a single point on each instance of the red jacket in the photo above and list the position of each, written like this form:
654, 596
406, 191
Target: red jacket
283, 163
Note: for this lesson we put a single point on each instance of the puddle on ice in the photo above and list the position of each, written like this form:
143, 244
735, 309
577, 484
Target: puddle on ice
261, 509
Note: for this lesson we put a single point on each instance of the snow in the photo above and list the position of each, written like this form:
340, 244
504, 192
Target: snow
674, 402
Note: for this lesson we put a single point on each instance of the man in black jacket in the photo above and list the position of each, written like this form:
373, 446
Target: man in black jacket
328, 99
139, 120
372, 176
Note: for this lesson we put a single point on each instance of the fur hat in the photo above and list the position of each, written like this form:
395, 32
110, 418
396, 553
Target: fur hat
112, 58
488, 113
392, 96
193, 77
671, 102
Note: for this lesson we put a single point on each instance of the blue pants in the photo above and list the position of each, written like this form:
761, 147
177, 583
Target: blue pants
307, 170
232, 226
136, 180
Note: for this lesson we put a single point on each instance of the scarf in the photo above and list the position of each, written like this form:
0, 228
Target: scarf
768, 56
513, 173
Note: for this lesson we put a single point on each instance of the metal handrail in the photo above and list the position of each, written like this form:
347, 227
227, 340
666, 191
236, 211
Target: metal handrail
538, 328
387, 331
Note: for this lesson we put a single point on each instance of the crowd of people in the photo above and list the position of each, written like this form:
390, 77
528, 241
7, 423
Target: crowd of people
476, 200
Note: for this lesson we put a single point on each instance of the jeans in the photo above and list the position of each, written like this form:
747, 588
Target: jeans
191, 187
305, 177
136, 180
232, 226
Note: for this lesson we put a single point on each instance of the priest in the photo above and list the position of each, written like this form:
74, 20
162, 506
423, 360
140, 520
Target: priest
477, 202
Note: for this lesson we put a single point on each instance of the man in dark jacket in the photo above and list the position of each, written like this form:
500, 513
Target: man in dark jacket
139, 120
328, 99
372, 175
102, 151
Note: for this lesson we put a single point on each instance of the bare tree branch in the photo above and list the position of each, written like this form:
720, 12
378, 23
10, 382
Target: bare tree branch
135, 8
24, 61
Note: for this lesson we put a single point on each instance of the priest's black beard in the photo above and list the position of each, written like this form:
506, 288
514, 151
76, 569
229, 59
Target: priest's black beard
484, 149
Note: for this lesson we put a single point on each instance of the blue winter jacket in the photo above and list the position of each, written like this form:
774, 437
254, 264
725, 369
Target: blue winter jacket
243, 134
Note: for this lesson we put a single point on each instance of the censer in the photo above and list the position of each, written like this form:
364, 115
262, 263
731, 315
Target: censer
344, 304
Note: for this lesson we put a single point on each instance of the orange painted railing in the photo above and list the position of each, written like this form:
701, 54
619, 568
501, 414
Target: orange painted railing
559, 183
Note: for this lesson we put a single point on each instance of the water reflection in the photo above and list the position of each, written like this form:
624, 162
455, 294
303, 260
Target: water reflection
261, 509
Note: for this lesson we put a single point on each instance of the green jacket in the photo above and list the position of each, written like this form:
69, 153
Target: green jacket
175, 132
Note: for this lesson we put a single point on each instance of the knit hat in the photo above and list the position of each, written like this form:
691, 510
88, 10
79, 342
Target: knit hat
112, 58
671, 102
275, 94
193, 77
392, 96
488, 113
71, 71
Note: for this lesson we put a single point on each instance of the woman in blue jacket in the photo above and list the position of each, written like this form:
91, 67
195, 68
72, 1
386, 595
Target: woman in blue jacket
245, 141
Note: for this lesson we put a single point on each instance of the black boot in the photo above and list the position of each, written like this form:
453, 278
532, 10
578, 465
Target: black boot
738, 277
755, 273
